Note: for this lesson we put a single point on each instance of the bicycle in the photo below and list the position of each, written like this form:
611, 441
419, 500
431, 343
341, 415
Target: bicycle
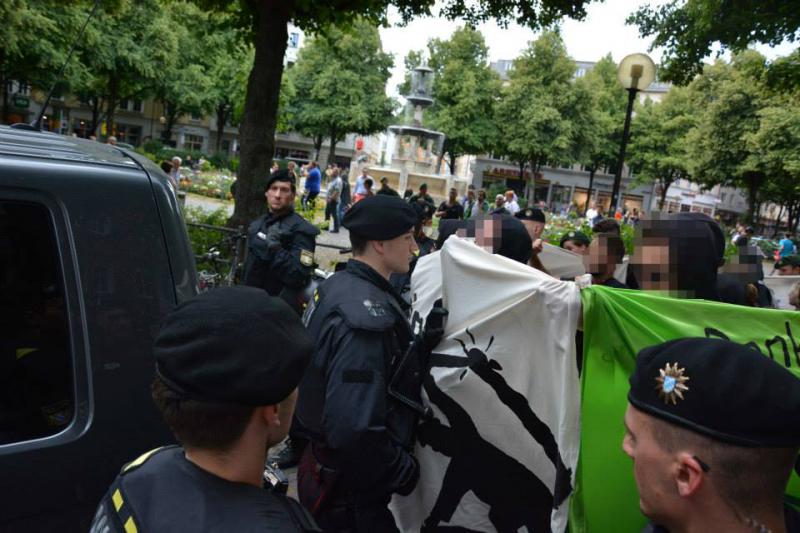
208, 280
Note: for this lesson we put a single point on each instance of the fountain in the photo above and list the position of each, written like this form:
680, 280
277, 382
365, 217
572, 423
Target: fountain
414, 149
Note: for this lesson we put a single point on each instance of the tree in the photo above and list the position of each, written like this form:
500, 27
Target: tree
688, 30
339, 84
658, 149
143, 46
601, 138
35, 36
266, 22
533, 112
731, 96
464, 88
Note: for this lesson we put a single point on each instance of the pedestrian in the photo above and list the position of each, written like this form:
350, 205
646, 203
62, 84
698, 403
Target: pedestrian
408, 194
576, 242
345, 199
291, 166
465, 198
385, 189
281, 245
604, 254
511, 204
111, 140
711, 427
788, 266
592, 214
534, 221
606, 225
422, 196
482, 206
451, 209
227, 391
360, 189
499, 205
175, 172
313, 184
332, 198
786, 246
361, 435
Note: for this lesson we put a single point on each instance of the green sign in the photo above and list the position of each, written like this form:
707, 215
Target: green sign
21, 101
619, 323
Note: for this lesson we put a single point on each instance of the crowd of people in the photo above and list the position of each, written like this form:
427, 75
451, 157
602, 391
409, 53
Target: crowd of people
238, 369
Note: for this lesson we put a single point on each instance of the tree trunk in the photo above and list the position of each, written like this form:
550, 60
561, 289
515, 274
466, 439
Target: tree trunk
332, 152
318, 140
111, 105
257, 129
452, 158
663, 194
3, 87
592, 170
752, 198
222, 118
778, 219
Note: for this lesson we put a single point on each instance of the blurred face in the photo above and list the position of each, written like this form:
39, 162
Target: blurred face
471, 195
488, 234
398, 252
481, 196
651, 467
534, 228
453, 194
499, 200
572, 246
651, 264
280, 196
597, 261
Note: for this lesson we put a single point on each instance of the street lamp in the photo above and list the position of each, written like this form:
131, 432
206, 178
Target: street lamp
635, 72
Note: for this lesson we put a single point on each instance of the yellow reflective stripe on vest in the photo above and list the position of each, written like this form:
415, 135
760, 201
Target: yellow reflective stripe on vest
22, 352
130, 526
140, 460
117, 499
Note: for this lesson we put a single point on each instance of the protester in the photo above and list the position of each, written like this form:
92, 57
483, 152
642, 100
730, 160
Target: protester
281, 245
711, 428
451, 209
606, 225
499, 205
605, 253
345, 200
465, 198
482, 206
175, 173
332, 198
575, 241
313, 184
592, 215
360, 435
470, 204
786, 246
408, 194
511, 204
385, 189
422, 196
227, 390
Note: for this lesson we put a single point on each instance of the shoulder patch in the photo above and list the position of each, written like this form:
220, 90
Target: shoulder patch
139, 461
306, 258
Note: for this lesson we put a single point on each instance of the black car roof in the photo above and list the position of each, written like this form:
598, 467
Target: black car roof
46, 145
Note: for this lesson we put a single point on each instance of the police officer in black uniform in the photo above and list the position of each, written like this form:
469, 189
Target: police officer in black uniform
712, 428
227, 367
281, 244
361, 434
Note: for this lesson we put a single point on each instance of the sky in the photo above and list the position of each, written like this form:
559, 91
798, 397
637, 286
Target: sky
602, 31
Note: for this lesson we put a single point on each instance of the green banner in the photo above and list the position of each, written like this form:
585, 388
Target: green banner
617, 324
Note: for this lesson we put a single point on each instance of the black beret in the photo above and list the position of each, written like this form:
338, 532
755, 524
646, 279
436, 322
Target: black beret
380, 218
515, 242
233, 344
726, 391
281, 175
578, 237
531, 213
789, 260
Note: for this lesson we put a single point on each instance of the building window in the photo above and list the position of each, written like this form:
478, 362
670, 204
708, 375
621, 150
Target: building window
193, 143
294, 40
195, 117
137, 106
129, 134
36, 376
123, 104
23, 88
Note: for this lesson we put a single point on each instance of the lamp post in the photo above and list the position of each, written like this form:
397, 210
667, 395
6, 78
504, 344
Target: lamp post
635, 72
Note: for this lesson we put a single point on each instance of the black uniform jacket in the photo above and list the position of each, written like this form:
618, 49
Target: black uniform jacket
162, 491
288, 266
361, 332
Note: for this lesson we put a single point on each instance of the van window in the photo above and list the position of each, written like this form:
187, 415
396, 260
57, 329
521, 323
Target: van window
36, 387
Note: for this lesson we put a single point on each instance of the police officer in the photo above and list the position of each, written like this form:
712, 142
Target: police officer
361, 435
712, 428
228, 363
281, 244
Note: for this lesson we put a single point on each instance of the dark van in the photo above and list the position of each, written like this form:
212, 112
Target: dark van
93, 252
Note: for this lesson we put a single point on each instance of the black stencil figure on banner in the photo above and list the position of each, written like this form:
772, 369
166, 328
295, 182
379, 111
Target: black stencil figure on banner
538, 502
515, 496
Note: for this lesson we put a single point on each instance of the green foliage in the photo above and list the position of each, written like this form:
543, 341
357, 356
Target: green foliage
688, 30
535, 109
659, 147
338, 84
202, 239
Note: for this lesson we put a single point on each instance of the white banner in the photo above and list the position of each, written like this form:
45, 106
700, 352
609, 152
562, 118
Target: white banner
501, 449
780, 287
561, 263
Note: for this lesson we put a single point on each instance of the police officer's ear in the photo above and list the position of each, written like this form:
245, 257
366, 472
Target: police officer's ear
271, 415
689, 474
